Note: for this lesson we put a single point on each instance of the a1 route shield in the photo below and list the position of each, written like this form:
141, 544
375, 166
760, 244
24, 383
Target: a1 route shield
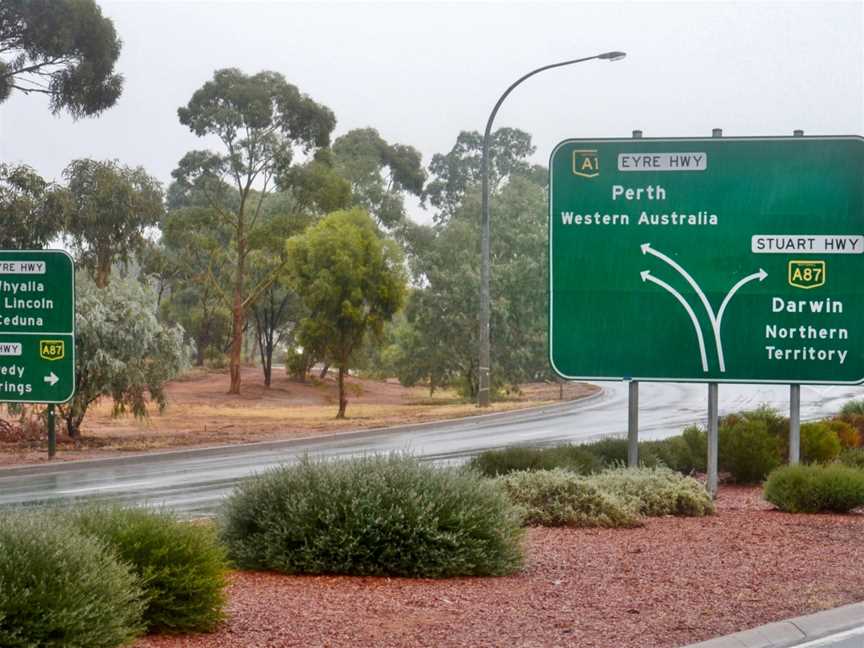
37, 326
721, 259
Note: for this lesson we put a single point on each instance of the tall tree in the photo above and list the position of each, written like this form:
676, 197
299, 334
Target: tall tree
456, 172
261, 121
351, 282
31, 209
64, 49
380, 173
109, 209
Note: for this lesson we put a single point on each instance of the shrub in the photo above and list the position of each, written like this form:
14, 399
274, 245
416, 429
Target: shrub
181, 565
848, 435
685, 453
853, 408
748, 451
612, 451
562, 498
856, 421
819, 443
814, 488
656, 491
493, 463
62, 589
853, 457
372, 515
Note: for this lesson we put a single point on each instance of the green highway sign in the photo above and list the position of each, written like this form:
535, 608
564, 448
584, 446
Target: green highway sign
37, 326
710, 260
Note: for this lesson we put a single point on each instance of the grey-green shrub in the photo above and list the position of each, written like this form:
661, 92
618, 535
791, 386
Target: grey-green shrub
493, 463
182, 566
748, 449
816, 488
656, 491
853, 457
372, 515
819, 442
562, 498
60, 588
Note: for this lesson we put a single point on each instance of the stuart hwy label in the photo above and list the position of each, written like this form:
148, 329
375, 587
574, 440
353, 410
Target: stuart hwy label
37, 326
711, 260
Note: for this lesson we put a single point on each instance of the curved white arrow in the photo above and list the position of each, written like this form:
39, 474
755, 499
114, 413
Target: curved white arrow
756, 275
715, 320
647, 276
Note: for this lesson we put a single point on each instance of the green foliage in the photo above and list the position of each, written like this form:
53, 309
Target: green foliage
853, 457
853, 408
108, 209
181, 565
819, 443
121, 350
351, 282
64, 49
748, 450
686, 453
261, 122
656, 491
380, 173
31, 209
813, 489
493, 463
847, 433
372, 515
562, 498
612, 451
62, 589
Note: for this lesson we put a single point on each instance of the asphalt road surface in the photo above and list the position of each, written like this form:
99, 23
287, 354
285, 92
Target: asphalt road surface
193, 482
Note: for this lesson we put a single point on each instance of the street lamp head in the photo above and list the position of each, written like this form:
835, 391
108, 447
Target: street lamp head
612, 56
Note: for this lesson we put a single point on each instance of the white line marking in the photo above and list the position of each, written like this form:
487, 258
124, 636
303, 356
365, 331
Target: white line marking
647, 276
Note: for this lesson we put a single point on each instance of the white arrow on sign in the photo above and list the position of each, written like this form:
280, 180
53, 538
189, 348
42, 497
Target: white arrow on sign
647, 276
51, 379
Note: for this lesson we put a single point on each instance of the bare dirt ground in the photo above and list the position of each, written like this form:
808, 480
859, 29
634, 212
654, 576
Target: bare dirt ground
673, 582
200, 413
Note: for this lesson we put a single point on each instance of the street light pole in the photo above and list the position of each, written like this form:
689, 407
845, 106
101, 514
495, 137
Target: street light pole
484, 359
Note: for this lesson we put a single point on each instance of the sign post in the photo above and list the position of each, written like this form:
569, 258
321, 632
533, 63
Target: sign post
710, 260
37, 329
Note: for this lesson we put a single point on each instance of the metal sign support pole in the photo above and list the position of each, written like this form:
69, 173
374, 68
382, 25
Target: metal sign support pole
713, 443
633, 424
795, 402
52, 435
633, 403
794, 424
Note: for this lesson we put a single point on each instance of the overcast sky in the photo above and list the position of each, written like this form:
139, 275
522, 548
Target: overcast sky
421, 72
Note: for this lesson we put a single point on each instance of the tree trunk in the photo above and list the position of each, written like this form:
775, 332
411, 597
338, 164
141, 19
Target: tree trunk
239, 312
343, 402
103, 272
324, 371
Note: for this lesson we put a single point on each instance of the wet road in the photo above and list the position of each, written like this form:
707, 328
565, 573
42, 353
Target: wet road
193, 482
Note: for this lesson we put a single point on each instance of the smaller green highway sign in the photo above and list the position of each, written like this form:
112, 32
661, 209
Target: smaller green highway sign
708, 259
37, 326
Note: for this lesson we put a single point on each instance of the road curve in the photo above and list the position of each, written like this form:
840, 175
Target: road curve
194, 482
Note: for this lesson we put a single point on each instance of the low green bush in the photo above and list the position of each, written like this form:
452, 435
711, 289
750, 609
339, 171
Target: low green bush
493, 463
819, 443
853, 457
372, 515
748, 450
60, 588
685, 453
562, 498
853, 408
656, 491
182, 566
612, 451
816, 488
847, 433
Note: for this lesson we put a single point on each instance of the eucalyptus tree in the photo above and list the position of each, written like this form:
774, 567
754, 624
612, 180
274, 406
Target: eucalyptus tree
351, 282
261, 123
381, 174
31, 209
65, 49
109, 208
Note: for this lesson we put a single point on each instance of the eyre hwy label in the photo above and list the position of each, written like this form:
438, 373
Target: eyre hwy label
710, 260
37, 326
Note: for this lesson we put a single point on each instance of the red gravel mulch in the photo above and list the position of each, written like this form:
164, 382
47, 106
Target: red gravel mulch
673, 582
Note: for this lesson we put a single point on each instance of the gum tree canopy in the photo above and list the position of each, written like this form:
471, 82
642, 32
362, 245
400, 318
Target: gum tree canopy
64, 49
261, 121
